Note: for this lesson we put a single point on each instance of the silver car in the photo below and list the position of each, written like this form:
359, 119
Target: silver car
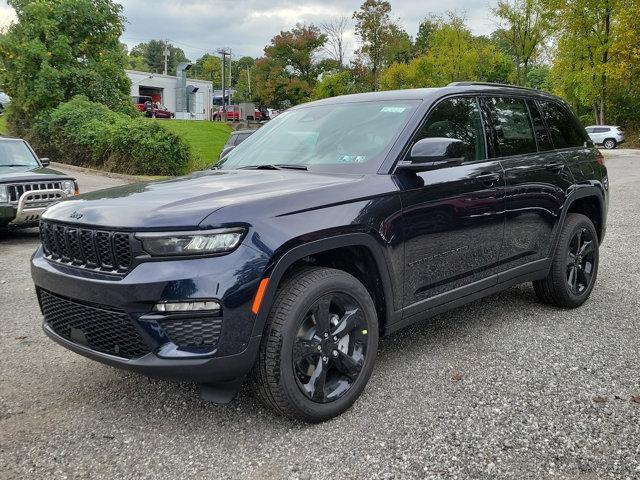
606, 135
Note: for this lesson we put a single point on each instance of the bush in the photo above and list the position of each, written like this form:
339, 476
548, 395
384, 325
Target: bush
88, 134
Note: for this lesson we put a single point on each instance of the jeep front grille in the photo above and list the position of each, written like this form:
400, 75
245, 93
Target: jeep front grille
87, 248
102, 329
15, 191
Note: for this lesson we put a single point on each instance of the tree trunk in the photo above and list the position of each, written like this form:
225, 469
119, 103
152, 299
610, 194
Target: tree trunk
605, 59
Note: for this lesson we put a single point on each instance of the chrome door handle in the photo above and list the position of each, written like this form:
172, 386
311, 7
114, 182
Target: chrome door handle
488, 178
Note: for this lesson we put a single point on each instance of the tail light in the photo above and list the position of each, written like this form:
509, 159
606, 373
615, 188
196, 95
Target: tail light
599, 157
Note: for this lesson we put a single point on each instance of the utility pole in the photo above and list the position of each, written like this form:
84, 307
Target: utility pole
223, 52
230, 60
249, 80
166, 56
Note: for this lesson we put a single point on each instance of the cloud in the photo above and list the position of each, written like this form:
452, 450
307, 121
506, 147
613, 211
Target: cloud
246, 26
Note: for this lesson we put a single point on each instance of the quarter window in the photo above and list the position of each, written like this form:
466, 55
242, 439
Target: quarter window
457, 118
513, 130
562, 126
542, 135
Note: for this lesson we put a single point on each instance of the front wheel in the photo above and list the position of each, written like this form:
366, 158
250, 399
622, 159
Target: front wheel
318, 347
574, 266
610, 144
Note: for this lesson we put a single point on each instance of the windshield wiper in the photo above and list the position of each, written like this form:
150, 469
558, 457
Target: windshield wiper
274, 166
16, 165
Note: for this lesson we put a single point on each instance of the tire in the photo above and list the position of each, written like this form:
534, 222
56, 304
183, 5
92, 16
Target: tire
610, 144
280, 374
574, 253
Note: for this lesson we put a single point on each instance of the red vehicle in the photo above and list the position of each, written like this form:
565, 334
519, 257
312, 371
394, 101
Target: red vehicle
159, 111
231, 113
139, 102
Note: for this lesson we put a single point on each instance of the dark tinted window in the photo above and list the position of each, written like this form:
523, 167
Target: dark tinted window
601, 130
542, 135
457, 118
512, 125
565, 133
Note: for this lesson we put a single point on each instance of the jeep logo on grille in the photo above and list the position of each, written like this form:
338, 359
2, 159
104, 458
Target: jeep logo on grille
76, 215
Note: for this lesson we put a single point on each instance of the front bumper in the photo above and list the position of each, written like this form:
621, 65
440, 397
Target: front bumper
201, 370
133, 296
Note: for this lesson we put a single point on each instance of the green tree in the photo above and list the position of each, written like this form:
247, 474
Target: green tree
288, 72
153, 53
454, 54
589, 54
60, 48
341, 82
208, 67
373, 26
525, 26
399, 46
423, 39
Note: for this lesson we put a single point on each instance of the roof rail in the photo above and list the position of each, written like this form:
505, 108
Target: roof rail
490, 84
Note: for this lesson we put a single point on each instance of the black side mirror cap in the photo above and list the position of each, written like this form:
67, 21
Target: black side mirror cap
431, 153
45, 162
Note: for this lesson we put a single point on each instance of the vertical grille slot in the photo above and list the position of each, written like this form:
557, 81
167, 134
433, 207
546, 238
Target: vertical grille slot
88, 248
59, 236
105, 251
122, 250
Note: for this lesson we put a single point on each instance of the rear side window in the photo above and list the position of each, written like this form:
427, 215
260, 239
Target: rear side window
512, 125
564, 130
542, 135
457, 118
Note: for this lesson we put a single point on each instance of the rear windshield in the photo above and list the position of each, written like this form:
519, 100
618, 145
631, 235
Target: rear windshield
349, 137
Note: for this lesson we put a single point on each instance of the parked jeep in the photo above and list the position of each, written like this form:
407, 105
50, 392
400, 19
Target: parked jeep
27, 186
339, 221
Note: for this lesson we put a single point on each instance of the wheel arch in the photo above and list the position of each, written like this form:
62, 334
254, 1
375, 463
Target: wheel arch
297, 255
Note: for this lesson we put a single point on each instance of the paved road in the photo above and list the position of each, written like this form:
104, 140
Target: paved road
502, 388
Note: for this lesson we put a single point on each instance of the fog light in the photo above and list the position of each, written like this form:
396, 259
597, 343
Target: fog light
188, 306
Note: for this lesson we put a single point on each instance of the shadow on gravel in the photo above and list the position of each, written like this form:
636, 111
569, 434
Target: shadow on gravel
16, 235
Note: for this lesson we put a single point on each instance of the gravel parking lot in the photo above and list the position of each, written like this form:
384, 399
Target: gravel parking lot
502, 388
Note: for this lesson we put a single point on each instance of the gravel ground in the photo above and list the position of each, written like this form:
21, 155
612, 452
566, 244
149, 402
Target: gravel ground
502, 388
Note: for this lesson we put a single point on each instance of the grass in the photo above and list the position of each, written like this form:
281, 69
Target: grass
3, 125
206, 139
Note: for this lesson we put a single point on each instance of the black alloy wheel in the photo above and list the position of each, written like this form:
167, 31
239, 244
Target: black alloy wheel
318, 347
580, 261
574, 265
330, 347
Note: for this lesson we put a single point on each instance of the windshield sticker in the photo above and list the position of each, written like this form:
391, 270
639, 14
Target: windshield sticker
393, 109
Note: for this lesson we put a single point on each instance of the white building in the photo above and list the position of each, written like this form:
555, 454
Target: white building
167, 90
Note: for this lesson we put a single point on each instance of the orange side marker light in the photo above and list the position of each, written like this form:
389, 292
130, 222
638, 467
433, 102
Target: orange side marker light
255, 308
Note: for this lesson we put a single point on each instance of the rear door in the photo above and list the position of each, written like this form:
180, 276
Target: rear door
453, 217
537, 182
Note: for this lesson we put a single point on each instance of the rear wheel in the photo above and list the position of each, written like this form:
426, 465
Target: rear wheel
610, 144
575, 265
318, 347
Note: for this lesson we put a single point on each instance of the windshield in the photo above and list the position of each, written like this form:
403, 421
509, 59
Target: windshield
352, 137
16, 154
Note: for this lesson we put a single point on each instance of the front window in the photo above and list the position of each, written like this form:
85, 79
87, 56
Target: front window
348, 137
16, 154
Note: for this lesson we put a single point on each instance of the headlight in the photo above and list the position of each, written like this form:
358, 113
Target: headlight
69, 187
206, 242
4, 195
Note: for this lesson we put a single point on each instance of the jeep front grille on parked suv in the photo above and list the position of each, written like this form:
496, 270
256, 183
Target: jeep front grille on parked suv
17, 190
87, 248
101, 329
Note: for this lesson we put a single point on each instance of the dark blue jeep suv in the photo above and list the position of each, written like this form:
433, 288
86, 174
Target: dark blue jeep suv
339, 221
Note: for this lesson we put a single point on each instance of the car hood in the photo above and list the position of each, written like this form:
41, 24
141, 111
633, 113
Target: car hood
185, 202
25, 174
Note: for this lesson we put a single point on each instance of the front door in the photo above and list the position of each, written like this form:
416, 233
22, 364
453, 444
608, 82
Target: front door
453, 217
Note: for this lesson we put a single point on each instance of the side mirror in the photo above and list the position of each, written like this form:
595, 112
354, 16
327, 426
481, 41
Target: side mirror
45, 162
432, 153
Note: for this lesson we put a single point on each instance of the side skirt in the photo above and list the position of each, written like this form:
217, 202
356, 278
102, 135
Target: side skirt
483, 288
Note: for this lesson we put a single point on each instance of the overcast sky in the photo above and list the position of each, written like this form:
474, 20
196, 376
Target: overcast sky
246, 26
